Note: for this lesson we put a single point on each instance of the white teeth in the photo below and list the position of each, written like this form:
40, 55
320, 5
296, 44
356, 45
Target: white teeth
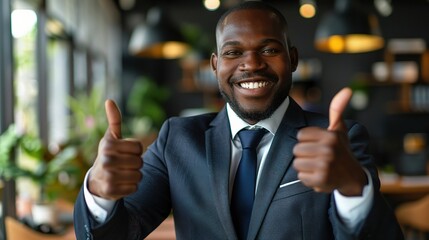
253, 85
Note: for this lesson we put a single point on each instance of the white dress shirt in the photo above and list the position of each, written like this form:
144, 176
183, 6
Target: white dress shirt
352, 210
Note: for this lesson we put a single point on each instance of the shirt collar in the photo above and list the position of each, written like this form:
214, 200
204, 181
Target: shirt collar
271, 124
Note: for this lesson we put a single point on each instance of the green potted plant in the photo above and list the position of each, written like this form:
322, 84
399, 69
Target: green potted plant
24, 156
145, 108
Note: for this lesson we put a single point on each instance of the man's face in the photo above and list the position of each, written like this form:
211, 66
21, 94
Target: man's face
253, 63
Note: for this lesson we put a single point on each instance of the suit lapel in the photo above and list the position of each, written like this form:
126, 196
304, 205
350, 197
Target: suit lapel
278, 161
218, 149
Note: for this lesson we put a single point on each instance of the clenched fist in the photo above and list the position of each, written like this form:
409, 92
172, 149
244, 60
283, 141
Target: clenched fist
323, 157
116, 171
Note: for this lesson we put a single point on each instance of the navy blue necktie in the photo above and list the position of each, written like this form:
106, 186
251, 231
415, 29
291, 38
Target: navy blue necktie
243, 192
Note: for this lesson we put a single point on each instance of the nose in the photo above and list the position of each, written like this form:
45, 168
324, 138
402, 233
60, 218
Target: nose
252, 61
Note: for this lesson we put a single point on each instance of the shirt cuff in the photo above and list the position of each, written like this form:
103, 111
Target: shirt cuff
99, 207
353, 210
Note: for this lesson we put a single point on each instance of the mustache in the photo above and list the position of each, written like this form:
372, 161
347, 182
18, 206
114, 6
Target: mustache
247, 75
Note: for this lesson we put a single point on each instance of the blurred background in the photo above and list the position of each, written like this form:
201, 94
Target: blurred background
60, 59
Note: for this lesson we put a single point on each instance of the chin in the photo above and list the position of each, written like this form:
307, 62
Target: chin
254, 115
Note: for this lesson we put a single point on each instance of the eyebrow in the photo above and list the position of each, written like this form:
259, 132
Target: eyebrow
271, 40
263, 42
229, 43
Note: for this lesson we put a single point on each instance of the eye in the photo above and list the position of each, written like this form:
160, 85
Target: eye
270, 51
231, 53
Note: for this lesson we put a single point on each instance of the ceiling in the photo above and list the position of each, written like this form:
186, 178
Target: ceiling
144, 4
138, 8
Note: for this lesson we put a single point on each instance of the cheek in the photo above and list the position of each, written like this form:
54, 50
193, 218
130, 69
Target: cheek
225, 70
280, 67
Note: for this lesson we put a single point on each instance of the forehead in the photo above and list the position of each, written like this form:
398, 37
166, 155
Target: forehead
251, 22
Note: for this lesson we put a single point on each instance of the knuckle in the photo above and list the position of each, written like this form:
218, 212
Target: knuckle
139, 147
108, 159
138, 163
296, 149
139, 176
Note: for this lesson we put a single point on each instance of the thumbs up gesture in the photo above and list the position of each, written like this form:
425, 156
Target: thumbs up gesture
323, 157
116, 171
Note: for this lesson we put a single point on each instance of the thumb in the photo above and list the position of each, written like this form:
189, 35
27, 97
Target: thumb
114, 118
337, 107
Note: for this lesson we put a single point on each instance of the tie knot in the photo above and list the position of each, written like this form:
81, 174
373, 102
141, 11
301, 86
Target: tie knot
251, 138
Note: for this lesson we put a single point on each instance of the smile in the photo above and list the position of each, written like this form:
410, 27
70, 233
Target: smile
253, 85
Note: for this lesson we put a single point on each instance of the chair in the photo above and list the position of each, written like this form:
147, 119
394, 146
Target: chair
16, 230
414, 218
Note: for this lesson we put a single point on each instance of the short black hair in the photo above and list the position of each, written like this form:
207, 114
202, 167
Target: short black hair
256, 5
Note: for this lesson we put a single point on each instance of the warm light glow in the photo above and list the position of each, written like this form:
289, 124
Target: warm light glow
54, 27
348, 29
353, 43
211, 4
307, 10
363, 43
23, 22
171, 50
414, 142
167, 50
336, 44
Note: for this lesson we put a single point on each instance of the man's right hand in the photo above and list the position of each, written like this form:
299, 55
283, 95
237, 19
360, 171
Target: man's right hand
116, 171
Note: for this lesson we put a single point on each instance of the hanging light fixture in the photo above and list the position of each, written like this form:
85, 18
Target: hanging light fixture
307, 8
348, 29
157, 38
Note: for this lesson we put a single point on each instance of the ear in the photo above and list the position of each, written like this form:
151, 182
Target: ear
213, 62
293, 53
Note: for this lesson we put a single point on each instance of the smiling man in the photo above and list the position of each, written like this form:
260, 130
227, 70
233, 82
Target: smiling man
254, 63
261, 168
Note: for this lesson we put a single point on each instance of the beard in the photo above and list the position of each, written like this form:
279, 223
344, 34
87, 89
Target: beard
255, 116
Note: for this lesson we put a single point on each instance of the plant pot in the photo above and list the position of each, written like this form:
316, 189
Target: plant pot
45, 214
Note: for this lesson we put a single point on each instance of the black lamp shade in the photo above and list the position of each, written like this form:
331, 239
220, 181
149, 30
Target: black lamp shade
158, 38
348, 29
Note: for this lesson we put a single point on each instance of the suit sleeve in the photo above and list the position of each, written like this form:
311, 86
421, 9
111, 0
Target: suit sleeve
137, 215
87, 228
380, 223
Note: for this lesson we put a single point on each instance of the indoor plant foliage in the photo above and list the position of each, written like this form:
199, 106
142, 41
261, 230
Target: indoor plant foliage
51, 170
89, 123
145, 106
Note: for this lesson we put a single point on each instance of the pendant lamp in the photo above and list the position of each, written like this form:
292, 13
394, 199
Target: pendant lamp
348, 29
158, 38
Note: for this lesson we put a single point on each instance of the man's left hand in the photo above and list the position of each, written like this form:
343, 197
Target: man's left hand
323, 157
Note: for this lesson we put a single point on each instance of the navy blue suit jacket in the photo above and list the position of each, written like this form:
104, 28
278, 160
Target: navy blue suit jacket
187, 171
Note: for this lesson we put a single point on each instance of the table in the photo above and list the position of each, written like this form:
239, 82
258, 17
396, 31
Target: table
399, 189
395, 184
